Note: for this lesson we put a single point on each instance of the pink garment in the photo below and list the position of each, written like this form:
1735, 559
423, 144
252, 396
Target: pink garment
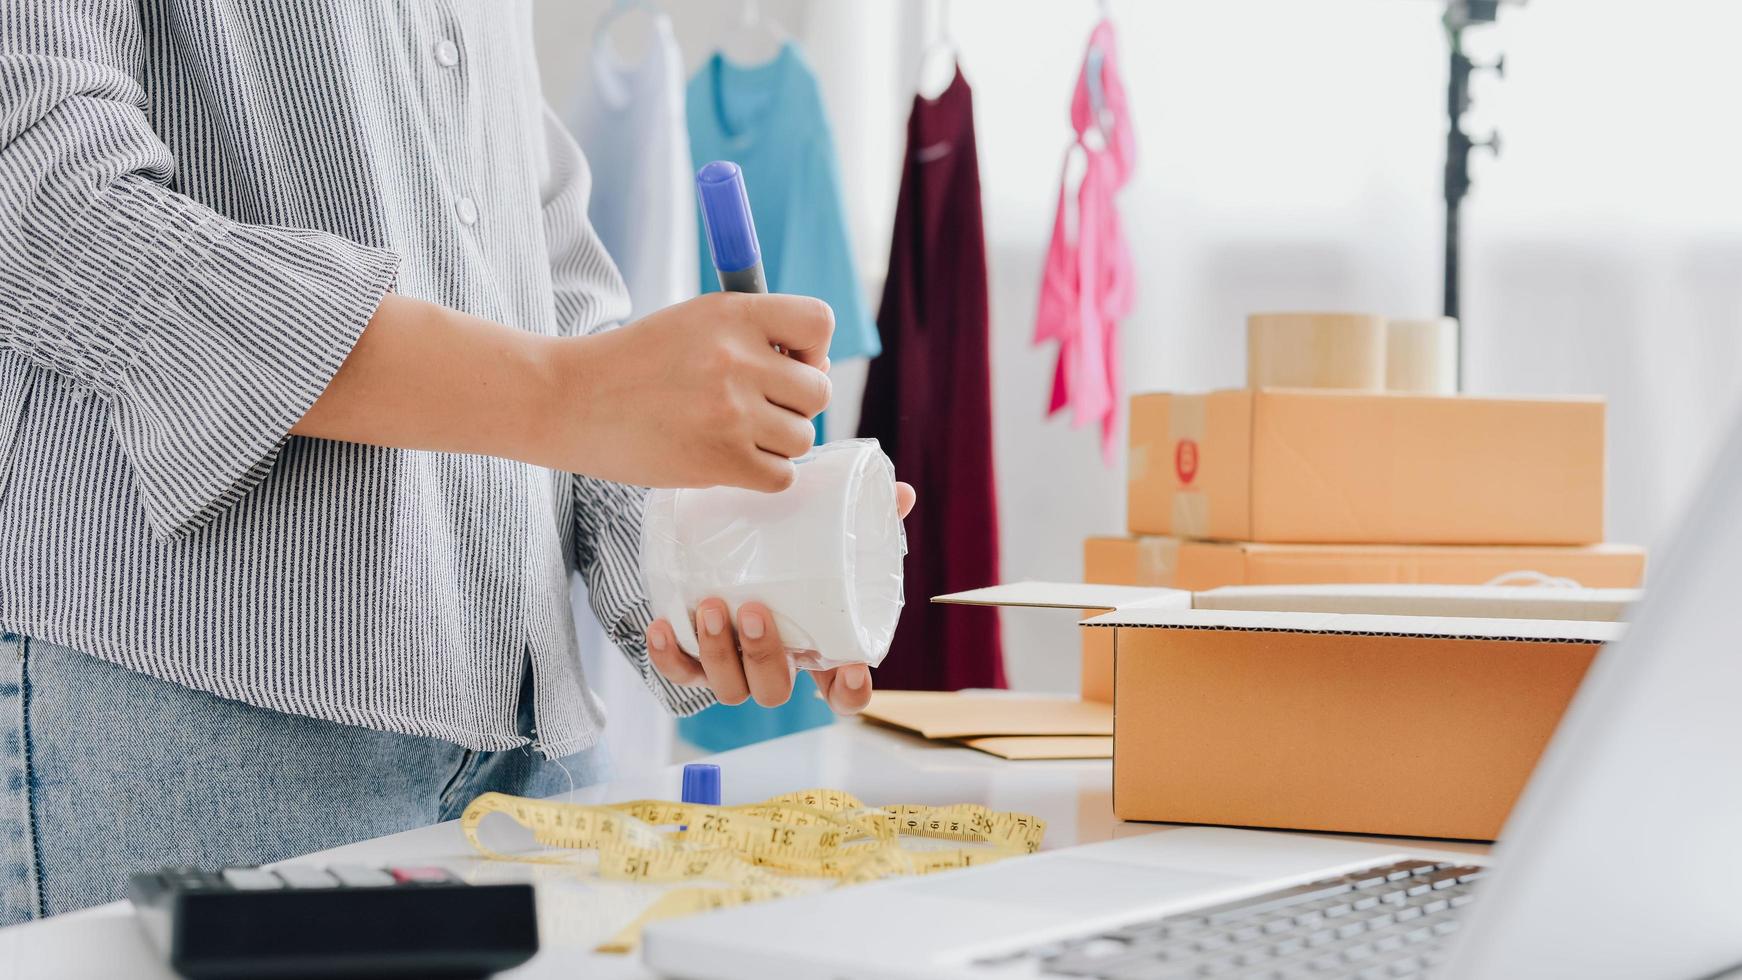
1087, 285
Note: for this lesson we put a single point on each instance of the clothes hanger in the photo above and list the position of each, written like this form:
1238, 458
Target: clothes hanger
754, 39
937, 62
1097, 58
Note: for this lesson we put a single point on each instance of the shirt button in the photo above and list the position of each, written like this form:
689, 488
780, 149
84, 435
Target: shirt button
447, 53
468, 211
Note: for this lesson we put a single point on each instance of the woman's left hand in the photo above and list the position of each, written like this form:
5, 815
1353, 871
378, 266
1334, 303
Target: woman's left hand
743, 658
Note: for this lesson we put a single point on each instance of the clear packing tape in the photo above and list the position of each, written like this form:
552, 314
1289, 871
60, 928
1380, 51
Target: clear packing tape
755, 852
824, 555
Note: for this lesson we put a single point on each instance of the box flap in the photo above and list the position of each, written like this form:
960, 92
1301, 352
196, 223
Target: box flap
1475, 601
1067, 595
1450, 627
945, 714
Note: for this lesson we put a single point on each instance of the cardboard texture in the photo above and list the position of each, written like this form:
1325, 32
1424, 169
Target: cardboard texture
954, 715
1043, 747
1316, 350
1390, 710
1372, 734
1181, 563
1096, 674
1303, 466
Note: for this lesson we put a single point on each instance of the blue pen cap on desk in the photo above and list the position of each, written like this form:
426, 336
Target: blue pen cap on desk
726, 215
701, 784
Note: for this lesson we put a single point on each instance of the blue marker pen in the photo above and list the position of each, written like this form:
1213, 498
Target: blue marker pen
731, 232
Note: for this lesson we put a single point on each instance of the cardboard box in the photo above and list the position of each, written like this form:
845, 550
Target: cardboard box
1329, 709
1182, 563
1302, 466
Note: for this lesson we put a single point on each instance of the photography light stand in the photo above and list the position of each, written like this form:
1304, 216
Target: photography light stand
1460, 15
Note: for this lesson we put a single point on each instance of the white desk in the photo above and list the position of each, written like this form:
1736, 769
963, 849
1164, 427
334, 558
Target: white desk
875, 764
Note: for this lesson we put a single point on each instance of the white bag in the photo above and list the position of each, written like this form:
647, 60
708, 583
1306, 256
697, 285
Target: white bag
825, 555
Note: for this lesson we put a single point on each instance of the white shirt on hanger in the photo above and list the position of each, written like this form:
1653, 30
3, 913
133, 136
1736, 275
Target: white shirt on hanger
629, 120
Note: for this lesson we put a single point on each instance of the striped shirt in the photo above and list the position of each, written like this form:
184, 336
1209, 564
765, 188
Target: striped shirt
202, 202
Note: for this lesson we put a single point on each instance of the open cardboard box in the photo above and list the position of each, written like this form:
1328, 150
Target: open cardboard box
1403, 710
1202, 565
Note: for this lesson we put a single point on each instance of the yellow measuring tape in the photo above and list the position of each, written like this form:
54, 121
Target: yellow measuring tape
817, 834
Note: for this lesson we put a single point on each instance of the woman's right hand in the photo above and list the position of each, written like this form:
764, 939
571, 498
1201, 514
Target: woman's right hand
696, 395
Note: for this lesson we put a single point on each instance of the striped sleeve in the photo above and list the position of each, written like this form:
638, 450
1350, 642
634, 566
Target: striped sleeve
608, 553
208, 338
579, 263
607, 515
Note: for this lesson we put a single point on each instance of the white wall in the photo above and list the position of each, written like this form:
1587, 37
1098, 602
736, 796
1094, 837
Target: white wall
1290, 157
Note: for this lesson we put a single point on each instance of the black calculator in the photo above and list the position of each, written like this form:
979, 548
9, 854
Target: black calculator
337, 921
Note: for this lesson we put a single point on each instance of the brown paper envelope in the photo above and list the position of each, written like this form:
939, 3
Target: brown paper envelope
940, 714
1045, 746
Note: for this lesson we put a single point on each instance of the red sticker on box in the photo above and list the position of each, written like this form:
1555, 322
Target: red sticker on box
1185, 460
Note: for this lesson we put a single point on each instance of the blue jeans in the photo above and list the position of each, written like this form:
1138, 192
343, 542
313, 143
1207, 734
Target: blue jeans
107, 771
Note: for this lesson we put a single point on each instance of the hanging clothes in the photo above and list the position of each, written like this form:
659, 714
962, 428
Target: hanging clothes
1087, 283
631, 124
928, 399
769, 119
629, 120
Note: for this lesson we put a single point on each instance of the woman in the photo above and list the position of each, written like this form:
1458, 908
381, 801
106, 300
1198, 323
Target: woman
307, 407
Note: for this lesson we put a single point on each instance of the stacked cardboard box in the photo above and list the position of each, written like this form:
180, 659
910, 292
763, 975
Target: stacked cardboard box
1292, 486
1304, 632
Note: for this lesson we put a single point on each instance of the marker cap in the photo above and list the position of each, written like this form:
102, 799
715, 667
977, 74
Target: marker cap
726, 215
701, 784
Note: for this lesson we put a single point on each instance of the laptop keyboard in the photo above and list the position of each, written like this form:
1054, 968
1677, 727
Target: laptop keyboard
1376, 924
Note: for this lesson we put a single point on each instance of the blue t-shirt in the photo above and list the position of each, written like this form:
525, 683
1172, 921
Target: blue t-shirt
769, 120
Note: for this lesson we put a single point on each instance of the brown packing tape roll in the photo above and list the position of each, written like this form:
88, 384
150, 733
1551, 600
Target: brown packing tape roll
1421, 356
1316, 350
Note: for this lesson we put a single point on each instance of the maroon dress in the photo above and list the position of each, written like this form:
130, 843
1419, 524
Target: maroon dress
928, 399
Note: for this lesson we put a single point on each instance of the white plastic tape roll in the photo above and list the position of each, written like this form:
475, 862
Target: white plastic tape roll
1421, 356
825, 555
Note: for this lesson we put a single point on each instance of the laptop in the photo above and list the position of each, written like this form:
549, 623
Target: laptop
1623, 859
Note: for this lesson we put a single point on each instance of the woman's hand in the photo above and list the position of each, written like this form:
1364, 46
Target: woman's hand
746, 659
694, 395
